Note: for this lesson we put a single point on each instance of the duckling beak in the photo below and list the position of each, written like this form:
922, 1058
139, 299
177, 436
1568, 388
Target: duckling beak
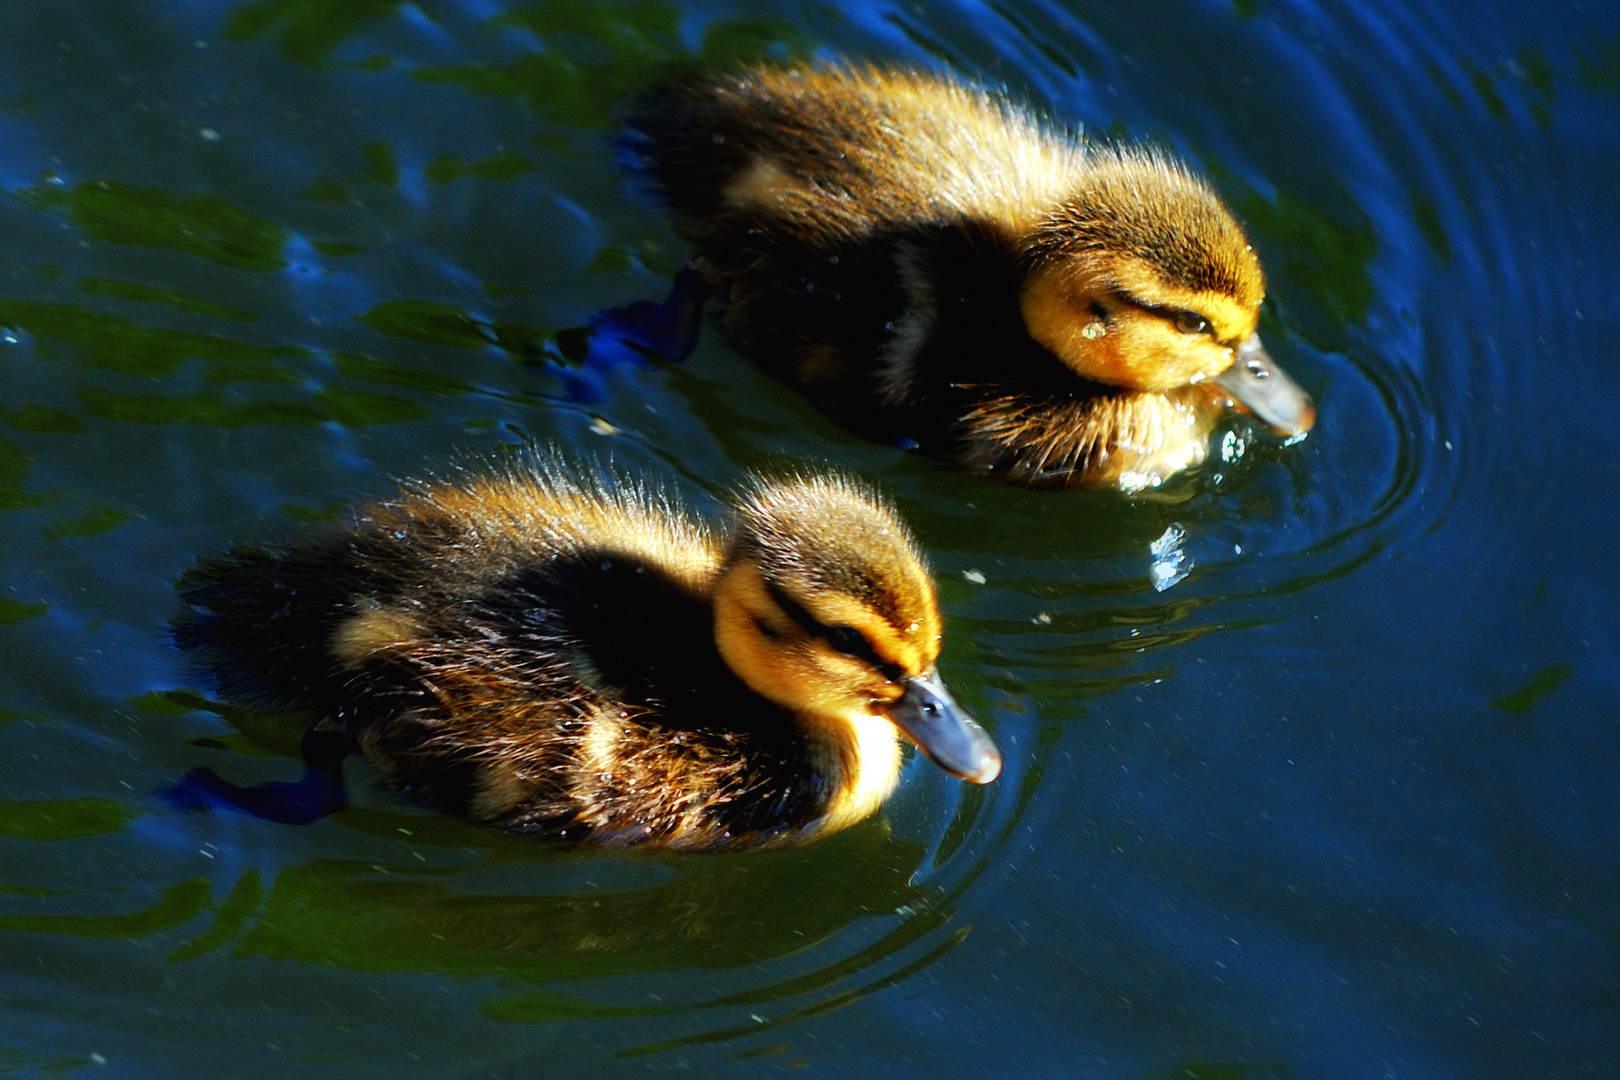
1264, 389
944, 731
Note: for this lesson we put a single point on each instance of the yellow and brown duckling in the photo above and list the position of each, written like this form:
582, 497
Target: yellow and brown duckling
932, 264
581, 658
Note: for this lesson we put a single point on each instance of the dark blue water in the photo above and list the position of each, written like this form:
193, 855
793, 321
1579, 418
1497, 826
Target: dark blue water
1341, 804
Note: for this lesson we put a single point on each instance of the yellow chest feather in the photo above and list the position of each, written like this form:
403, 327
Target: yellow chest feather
865, 755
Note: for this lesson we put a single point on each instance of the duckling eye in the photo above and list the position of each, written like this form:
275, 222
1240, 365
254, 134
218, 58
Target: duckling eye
1190, 322
848, 640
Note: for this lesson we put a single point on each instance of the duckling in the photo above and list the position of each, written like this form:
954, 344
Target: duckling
551, 652
934, 266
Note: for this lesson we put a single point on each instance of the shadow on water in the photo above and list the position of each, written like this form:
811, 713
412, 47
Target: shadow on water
549, 935
791, 934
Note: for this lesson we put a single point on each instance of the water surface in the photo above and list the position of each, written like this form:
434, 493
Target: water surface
1340, 804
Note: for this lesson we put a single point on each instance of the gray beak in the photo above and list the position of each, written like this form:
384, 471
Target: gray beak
943, 730
1264, 389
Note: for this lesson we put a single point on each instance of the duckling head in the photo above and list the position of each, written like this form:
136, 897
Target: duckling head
1142, 279
824, 607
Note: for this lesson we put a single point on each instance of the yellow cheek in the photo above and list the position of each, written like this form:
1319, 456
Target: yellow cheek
1131, 345
767, 651
1148, 354
829, 683
752, 655
1198, 358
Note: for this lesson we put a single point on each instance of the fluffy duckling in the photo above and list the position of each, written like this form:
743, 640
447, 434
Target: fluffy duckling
585, 660
933, 265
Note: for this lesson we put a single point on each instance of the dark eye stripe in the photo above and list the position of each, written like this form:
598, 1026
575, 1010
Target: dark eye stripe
845, 639
1175, 317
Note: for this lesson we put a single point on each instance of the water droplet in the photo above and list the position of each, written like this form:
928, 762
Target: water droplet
1232, 447
975, 576
1171, 563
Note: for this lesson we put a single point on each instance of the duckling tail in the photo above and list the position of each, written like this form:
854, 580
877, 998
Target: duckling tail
258, 622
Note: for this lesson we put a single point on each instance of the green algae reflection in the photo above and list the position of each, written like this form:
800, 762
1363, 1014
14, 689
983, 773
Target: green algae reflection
21, 1063
1542, 683
42, 420
382, 167
447, 168
1328, 256
233, 913
91, 522
387, 373
63, 819
180, 903
429, 321
1599, 62
115, 344
12, 611
594, 55
254, 731
446, 324
308, 31
597, 55
112, 343
334, 404
1224, 1070
151, 294
203, 225
15, 465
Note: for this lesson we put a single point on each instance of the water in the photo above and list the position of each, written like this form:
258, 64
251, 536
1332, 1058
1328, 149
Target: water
1341, 803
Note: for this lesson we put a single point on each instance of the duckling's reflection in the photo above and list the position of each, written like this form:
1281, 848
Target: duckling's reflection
492, 920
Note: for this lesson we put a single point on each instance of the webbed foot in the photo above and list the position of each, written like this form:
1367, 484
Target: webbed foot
634, 334
290, 802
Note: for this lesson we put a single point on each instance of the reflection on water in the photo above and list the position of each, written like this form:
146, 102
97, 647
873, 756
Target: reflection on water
448, 912
802, 933
1340, 803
